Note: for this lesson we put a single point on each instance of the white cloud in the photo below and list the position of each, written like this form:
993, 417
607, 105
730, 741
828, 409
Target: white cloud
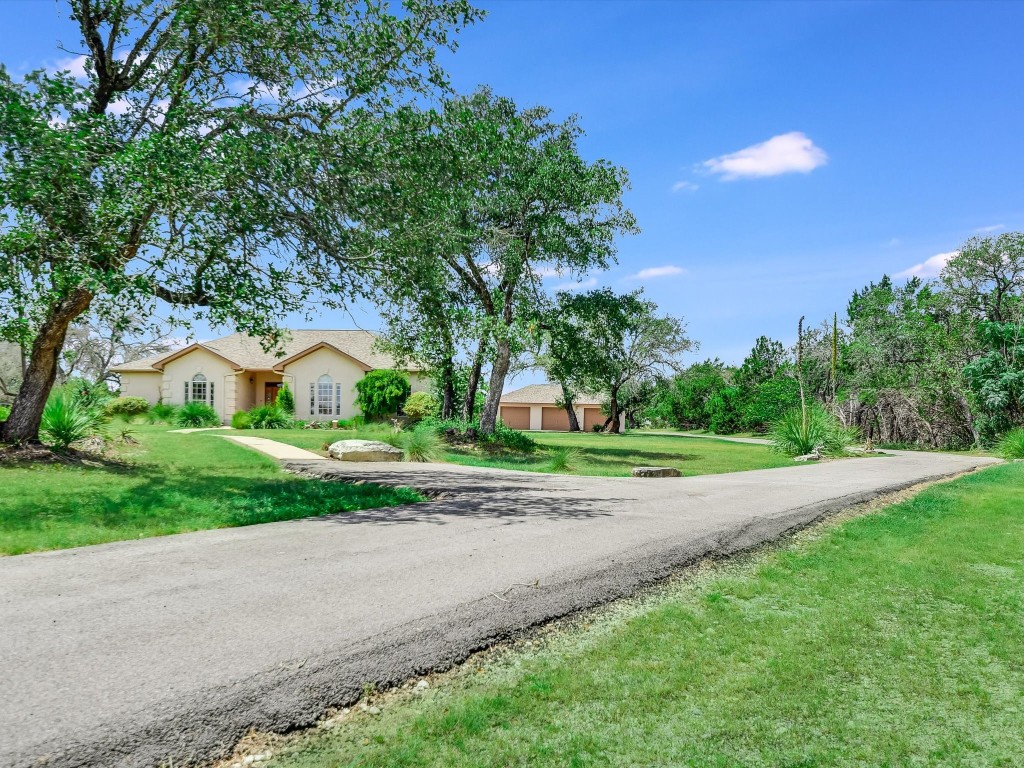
667, 271
75, 65
929, 267
590, 282
990, 228
787, 153
679, 186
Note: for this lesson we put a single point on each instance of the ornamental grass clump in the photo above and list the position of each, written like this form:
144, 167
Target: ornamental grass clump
1012, 445
421, 444
565, 459
797, 434
68, 419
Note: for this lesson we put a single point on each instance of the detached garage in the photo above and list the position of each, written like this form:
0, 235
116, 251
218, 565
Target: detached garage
534, 407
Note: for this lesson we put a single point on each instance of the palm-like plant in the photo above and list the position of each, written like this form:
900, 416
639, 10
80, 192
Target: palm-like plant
67, 419
805, 430
1012, 444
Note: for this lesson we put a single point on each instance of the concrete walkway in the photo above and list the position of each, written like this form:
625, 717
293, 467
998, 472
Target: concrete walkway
167, 650
279, 451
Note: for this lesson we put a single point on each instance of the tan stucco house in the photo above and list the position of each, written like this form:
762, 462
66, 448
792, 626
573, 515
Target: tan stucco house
234, 373
534, 407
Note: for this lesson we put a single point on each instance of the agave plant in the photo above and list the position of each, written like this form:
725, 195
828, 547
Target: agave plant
795, 435
67, 419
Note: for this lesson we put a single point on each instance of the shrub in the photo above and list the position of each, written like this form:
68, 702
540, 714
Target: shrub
196, 414
286, 400
269, 417
511, 439
769, 402
421, 444
381, 393
67, 419
420, 405
1012, 444
241, 420
564, 459
458, 432
4, 412
724, 412
126, 406
162, 413
823, 432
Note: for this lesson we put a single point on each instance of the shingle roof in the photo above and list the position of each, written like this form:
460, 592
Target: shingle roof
246, 351
545, 393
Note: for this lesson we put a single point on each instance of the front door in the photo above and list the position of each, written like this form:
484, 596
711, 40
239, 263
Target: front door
270, 393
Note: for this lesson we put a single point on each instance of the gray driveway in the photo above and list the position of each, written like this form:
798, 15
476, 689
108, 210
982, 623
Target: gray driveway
134, 653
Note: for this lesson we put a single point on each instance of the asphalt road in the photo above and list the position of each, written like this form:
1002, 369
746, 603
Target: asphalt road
142, 652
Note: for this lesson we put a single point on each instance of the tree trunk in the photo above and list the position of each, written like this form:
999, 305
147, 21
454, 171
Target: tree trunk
469, 404
22, 425
502, 359
612, 425
448, 389
574, 424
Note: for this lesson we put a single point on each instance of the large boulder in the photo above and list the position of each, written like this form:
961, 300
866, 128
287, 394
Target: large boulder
364, 450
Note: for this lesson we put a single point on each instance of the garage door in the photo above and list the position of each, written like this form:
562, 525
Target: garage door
592, 416
515, 417
555, 419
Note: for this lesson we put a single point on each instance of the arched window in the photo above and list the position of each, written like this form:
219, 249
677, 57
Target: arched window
199, 389
325, 397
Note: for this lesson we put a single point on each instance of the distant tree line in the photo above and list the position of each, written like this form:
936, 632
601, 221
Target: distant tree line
928, 363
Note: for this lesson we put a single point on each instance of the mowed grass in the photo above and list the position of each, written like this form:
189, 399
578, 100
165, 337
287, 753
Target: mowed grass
599, 454
893, 639
173, 483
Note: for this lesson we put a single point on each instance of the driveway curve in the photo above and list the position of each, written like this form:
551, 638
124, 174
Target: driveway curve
167, 650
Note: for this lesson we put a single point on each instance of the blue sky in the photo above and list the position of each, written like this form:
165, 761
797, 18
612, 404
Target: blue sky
781, 154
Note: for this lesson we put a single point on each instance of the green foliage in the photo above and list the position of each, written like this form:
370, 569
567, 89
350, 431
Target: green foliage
996, 377
511, 439
769, 401
126, 406
196, 414
457, 431
4, 412
162, 413
241, 420
821, 431
422, 444
286, 400
765, 361
381, 393
683, 401
269, 417
564, 459
1011, 446
419, 406
725, 411
68, 419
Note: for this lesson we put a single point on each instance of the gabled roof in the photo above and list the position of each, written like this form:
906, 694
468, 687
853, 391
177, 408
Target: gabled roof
245, 352
543, 394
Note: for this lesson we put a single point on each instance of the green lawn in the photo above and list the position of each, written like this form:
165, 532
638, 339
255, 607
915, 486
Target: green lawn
610, 455
174, 483
893, 639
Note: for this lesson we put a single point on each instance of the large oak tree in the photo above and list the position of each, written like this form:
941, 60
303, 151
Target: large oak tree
208, 160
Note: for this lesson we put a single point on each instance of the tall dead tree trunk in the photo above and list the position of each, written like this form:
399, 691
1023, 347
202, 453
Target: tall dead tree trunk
22, 425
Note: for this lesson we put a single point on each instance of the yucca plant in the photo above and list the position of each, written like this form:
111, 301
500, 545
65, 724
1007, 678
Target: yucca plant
269, 417
564, 459
67, 419
1012, 444
799, 433
421, 444
196, 414
161, 413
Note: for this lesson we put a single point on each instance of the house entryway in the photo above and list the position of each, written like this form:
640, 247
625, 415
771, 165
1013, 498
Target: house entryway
270, 391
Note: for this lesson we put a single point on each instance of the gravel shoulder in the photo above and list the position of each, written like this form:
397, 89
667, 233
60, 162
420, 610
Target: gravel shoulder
137, 653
